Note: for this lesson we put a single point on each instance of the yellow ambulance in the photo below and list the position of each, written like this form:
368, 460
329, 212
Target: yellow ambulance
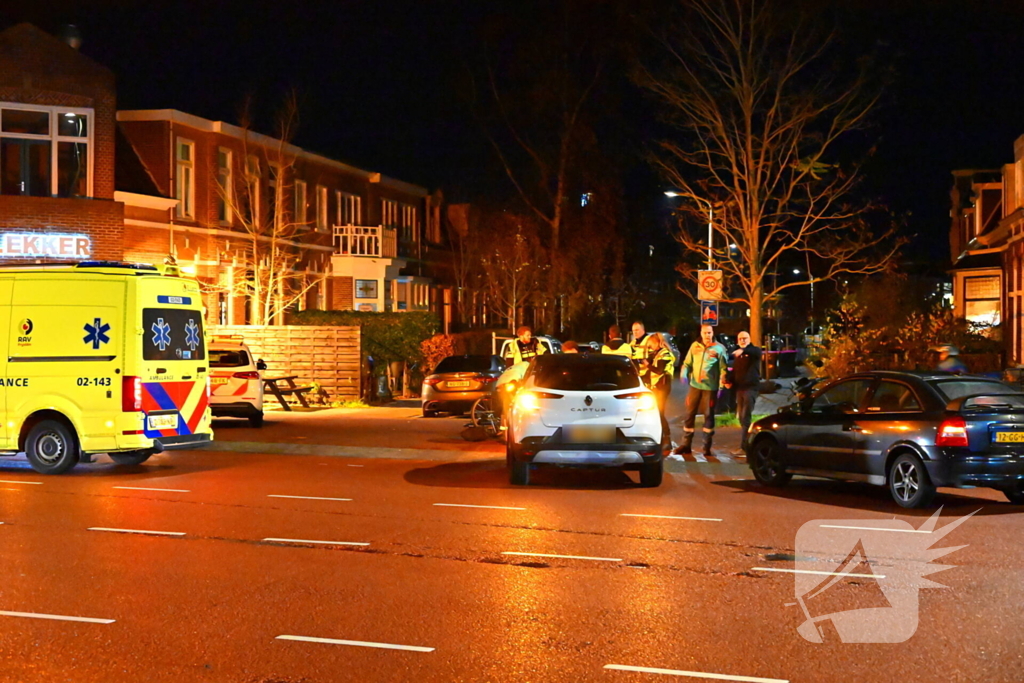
100, 357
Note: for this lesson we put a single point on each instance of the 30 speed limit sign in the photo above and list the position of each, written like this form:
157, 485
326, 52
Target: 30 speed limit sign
709, 285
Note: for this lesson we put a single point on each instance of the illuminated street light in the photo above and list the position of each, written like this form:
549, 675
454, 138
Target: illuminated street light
670, 193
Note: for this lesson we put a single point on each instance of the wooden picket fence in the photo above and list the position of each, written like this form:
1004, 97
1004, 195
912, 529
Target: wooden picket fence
327, 356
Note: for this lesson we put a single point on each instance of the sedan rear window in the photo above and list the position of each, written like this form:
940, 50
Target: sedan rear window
955, 388
464, 364
579, 373
226, 358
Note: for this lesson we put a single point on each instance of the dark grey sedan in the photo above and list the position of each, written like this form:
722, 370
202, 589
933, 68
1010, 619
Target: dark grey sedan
912, 432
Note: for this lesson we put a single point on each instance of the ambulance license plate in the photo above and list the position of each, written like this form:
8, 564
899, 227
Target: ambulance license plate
168, 421
1009, 437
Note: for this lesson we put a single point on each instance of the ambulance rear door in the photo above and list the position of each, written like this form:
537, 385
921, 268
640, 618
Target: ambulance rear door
174, 365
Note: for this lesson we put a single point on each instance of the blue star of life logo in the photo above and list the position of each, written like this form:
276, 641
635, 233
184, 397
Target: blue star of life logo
97, 333
161, 334
192, 334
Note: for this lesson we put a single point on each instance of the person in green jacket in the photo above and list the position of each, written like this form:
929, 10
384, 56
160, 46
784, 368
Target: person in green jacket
704, 368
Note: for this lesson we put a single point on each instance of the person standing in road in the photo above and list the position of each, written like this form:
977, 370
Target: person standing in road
744, 378
949, 360
616, 345
703, 368
638, 347
656, 372
523, 347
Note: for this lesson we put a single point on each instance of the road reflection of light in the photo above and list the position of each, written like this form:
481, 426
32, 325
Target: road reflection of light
522, 597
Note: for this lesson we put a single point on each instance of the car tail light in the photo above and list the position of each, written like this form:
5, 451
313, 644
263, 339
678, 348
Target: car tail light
432, 381
246, 375
486, 379
646, 398
131, 394
952, 432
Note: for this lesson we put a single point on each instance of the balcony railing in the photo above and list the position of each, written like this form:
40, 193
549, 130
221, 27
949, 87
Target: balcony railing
359, 240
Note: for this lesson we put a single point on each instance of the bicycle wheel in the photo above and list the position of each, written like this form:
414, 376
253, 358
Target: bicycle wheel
481, 411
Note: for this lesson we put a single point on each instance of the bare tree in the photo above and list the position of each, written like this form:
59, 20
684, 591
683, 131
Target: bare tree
275, 276
513, 264
762, 115
462, 222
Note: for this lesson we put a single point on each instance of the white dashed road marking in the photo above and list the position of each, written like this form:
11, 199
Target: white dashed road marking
874, 528
7, 481
56, 617
486, 507
140, 488
694, 674
309, 498
567, 557
299, 540
137, 531
692, 519
358, 643
810, 571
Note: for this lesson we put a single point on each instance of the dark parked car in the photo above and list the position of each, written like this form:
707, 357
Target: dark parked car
458, 381
912, 432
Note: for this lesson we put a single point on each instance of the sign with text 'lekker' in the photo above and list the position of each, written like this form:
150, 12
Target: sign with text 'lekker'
44, 245
709, 285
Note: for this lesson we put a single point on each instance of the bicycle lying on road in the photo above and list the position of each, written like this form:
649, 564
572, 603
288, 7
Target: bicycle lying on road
483, 415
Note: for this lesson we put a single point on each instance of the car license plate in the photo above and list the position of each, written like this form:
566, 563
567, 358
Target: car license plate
1009, 437
456, 385
168, 421
219, 381
589, 433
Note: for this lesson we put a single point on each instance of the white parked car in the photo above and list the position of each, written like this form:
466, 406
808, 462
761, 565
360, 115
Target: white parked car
236, 380
584, 410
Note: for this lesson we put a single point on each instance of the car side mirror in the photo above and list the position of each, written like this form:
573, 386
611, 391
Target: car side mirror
261, 365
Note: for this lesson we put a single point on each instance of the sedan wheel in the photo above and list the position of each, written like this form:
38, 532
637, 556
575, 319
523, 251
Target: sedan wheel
766, 462
909, 483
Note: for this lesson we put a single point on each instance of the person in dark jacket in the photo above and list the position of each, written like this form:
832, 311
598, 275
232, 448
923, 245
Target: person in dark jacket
743, 378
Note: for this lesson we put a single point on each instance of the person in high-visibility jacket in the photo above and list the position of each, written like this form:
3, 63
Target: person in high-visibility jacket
638, 347
523, 347
656, 370
704, 368
616, 345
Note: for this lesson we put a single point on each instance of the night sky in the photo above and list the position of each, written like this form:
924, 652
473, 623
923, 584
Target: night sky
378, 82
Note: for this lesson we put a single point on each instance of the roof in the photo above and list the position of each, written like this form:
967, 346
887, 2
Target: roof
992, 259
130, 174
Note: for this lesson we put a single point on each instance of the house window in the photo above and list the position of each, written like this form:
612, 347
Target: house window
366, 289
350, 209
225, 186
300, 203
321, 208
982, 300
389, 213
408, 222
45, 151
252, 186
186, 179
274, 192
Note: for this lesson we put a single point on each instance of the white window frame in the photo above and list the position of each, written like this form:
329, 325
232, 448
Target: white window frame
389, 213
299, 212
350, 208
321, 208
185, 178
54, 138
273, 181
226, 181
253, 176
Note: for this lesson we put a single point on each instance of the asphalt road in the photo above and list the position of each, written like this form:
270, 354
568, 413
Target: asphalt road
385, 571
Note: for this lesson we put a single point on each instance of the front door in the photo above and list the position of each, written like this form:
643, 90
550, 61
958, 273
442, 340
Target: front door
821, 438
893, 413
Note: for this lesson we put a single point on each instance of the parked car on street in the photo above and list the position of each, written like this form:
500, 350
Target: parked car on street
912, 432
236, 380
457, 382
592, 410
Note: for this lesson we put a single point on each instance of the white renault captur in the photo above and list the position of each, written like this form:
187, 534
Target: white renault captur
584, 410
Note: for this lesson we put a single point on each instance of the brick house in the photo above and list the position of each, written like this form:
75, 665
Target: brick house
147, 186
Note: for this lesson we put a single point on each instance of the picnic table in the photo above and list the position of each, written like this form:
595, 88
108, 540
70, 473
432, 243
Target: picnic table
285, 386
